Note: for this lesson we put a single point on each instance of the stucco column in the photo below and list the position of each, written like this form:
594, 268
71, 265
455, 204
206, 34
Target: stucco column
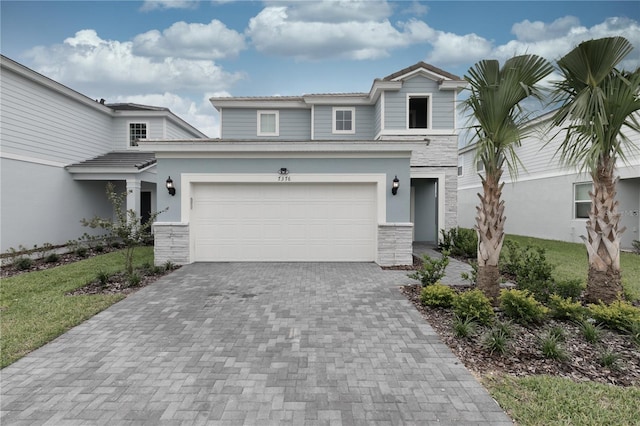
133, 195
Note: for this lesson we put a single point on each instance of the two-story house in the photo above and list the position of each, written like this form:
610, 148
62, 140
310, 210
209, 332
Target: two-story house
319, 177
547, 200
59, 148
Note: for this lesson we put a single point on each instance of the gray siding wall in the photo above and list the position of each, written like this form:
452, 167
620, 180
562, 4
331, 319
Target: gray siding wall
323, 123
40, 123
156, 129
442, 105
378, 116
397, 206
238, 123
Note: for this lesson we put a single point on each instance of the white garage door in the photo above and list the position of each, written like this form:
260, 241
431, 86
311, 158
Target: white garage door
284, 222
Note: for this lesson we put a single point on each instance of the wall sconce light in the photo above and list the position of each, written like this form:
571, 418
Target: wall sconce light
395, 185
170, 187
283, 171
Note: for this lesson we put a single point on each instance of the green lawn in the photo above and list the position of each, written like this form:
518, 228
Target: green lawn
570, 260
34, 309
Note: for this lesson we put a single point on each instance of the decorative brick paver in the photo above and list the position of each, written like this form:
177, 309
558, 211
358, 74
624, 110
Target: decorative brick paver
251, 344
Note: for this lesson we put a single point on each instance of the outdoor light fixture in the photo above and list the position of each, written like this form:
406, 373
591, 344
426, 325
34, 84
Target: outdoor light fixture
170, 187
283, 171
395, 185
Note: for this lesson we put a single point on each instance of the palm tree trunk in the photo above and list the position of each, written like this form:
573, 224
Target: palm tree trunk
603, 242
490, 227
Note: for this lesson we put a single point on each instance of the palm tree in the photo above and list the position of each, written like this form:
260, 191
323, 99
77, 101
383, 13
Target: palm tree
597, 103
495, 101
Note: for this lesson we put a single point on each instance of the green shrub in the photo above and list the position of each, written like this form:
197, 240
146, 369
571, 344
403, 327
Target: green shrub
438, 295
464, 327
636, 246
81, 251
634, 332
23, 263
52, 258
134, 279
169, 266
566, 308
506, 327
590, 331
551, 348
103, 278
521, 306
619, 315
99, 248
474, 305
431, 270
609, 359
495, 340
568, 289
460, 242
530, 268
472, 276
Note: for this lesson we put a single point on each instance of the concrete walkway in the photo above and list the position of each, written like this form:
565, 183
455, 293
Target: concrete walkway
253, 344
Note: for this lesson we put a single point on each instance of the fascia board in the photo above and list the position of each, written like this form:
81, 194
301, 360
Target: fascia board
337, 100
218, 104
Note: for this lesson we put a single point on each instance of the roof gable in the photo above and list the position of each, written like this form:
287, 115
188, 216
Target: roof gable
432, 72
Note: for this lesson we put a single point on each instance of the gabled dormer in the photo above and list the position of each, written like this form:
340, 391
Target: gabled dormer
417, 101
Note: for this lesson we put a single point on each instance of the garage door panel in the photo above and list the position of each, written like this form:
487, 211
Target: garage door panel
284, 222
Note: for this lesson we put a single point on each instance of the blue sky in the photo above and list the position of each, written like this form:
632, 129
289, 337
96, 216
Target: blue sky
178, 53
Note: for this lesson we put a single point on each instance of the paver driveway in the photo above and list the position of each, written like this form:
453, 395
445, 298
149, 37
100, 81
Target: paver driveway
251, 343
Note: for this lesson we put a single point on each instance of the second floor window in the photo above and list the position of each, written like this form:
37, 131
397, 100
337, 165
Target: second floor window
582, 201
137, 131
418, 112
344, 120
268, 123
460, 165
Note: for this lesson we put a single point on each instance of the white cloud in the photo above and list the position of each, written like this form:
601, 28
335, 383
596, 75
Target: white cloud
335, 11
527, 31
453, 49
86, 60
149, 5
286, 31
196, 41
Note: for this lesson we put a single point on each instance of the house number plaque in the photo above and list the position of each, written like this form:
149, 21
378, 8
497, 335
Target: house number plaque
284, 178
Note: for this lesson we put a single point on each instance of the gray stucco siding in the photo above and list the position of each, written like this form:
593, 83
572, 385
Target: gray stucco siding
156, 129
240, 123
397, 206
40, 123
364, 123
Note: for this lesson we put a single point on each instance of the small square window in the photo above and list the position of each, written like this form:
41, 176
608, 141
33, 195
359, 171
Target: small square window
460, 163
344, 120
137, 131
582, 200
479, 166
268, 123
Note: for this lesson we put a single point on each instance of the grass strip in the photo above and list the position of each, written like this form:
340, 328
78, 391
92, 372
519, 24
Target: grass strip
34, 309
546, 400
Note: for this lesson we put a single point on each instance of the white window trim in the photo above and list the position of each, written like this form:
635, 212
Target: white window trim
129, 123
353, 120
259, 118
575, 201
479, 166
460, 166
429, 97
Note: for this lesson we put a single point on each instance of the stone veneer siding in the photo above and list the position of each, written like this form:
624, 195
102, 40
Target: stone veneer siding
171, 243
395, 244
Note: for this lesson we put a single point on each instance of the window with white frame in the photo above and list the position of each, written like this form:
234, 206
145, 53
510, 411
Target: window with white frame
268, 123
419, 110
344, 120
460, 163
581, 200
137, 131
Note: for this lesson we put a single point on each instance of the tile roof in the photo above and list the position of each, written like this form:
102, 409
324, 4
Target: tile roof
119, 160
134, 107
422, 65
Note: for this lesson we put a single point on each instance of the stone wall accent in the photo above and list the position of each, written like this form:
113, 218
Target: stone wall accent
395, 244
171, 243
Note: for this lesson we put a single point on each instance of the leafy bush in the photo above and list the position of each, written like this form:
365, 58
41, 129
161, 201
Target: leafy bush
636, 246
521, 306
464, 327
431, 270
52, 258
438, 295
529, 267
505, 327
472, 276
461, 242
103, 278
566, 308
634, 332
495, 340
81, 251
134, 279
619, 315
23, 263
474, 305
169, 265
609, 359
568, 289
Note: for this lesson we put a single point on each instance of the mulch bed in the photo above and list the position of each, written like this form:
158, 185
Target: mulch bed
525, 358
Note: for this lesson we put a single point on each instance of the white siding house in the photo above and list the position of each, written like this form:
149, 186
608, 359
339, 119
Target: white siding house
311, 177
547, 200
59, 148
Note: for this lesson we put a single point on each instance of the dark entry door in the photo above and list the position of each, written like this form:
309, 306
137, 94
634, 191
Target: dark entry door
145, 206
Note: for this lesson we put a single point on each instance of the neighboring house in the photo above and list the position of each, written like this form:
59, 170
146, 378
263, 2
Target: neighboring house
58, 150
547, 200
310, 178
